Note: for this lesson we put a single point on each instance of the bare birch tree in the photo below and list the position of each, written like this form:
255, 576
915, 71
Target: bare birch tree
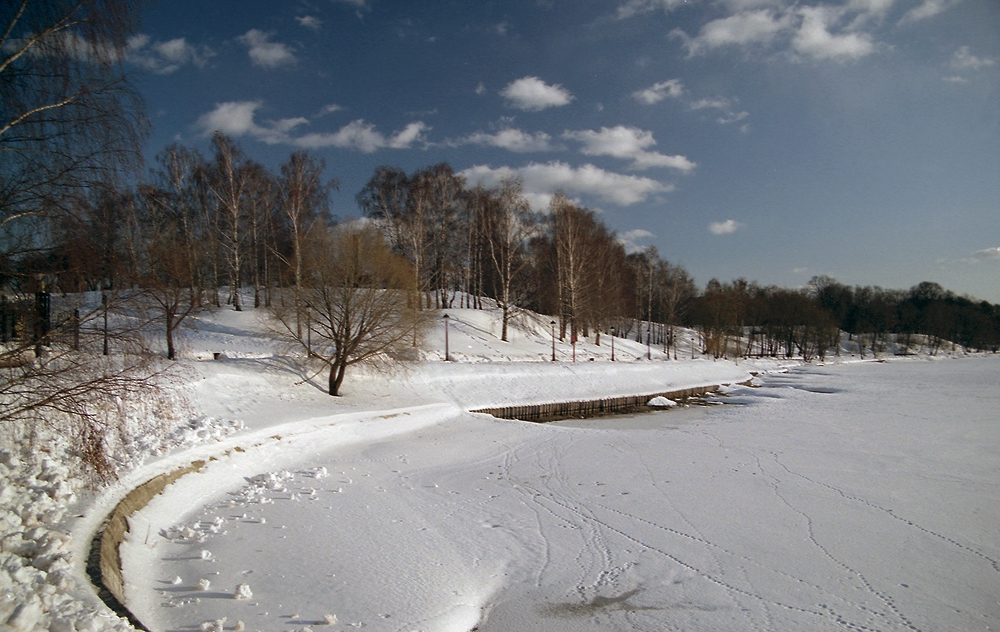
304, 202
509, 225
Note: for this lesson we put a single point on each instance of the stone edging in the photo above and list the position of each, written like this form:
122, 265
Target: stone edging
542, 413
114, 532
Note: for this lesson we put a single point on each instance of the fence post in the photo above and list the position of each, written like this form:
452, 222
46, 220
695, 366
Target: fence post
76, 329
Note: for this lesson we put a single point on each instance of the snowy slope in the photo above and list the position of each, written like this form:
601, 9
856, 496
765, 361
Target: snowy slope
398, 452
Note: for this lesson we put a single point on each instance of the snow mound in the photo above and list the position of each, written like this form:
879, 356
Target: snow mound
661, 402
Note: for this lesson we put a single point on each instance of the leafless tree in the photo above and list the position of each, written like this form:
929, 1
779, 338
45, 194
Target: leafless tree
509, 224
358, 293
230, 183
165, 266
70, 125
304, 200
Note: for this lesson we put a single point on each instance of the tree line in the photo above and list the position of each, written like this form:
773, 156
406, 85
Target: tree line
745, 319
197, 232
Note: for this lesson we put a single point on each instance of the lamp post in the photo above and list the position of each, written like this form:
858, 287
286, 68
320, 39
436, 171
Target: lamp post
553, 324
447, 358
612, 344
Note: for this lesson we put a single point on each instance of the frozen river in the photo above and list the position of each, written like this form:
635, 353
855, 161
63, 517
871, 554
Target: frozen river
859, 497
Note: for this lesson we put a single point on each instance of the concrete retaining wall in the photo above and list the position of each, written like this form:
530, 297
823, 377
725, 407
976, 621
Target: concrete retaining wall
114, 533
542, 413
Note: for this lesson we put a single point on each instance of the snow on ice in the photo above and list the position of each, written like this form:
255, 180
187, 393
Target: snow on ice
858, 496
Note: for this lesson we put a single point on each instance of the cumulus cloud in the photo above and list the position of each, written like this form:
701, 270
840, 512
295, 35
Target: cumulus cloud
238, 118
638, 7
331, 108
363, 137
533, 94
310, 22
815, 40
630, 238
724, 228
234, 118
820, 32
927, 9
628, 143
166, 57
741, 29
265, 53
543, 180
657, 92
510, 139
988, 253
963, 59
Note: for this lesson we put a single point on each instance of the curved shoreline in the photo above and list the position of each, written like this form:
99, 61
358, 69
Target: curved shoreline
116, 524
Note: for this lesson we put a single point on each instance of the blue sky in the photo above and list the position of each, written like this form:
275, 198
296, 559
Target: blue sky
766, 139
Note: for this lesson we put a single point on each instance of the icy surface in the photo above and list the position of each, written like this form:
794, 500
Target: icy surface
857, 497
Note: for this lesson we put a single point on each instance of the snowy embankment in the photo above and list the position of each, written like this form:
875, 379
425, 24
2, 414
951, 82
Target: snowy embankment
253, 389
857, 497
398, 541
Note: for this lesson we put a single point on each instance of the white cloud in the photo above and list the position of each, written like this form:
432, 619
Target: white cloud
331, 108
717, 103
363, 137
164, 58
533, 94
725, 106
542, 180
637, 7
815, 40
265, 53
988, 253
237, 118
672, 88
511, 140
724, 228
234, 118
963, 59
741, 29
481, 88
406, 137
821, 32
955, 79
628, 143
310, 22
928, 9
630, 237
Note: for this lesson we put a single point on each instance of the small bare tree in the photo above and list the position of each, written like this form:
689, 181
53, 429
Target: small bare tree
359, 296
509, 225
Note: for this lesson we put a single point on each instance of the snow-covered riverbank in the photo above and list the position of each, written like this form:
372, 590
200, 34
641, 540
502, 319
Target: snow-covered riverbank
397, 502
846, 496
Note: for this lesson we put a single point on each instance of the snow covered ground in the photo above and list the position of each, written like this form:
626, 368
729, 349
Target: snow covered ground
857, 496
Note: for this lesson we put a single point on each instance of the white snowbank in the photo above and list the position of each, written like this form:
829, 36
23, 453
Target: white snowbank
393, 459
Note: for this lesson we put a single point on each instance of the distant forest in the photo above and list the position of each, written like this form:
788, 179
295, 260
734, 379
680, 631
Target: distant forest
198, 224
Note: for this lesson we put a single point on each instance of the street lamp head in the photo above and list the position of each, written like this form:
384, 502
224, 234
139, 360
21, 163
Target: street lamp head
445, 316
